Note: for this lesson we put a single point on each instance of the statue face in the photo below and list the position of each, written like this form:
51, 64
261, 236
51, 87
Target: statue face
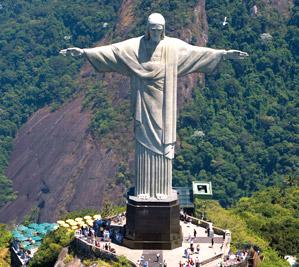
155, 31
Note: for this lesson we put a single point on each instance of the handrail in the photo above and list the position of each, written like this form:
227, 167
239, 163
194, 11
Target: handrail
206, 261
93, 247
205, 223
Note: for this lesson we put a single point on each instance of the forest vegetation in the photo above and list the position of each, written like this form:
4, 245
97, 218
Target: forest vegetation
32, 73
5, 237
268, 220
248, 111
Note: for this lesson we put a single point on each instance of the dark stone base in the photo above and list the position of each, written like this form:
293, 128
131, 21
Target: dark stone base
153, 224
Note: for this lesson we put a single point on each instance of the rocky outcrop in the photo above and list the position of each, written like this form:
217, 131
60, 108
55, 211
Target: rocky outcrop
63, 260
56, 166
282, 6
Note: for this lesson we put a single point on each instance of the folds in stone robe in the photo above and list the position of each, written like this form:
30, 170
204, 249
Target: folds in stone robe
154, 89
154, 81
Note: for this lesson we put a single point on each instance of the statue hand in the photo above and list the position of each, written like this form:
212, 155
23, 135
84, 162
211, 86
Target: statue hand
235, 54
73, 51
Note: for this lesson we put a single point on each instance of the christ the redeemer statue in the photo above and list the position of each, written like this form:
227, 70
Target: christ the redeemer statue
154, 62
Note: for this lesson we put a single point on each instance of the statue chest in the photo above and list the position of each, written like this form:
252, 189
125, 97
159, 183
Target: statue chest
152, 58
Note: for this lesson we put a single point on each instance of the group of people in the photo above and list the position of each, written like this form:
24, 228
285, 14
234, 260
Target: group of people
190, 263
24, 255
90, 235
145, 263
102, 231
100, 228
120, 218
187, 254
192, 249
106, 246
231, 259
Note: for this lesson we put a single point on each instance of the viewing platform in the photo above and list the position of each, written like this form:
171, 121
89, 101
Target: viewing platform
207, 255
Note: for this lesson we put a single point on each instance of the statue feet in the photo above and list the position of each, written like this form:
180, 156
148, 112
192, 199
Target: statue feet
143, 196
161, 196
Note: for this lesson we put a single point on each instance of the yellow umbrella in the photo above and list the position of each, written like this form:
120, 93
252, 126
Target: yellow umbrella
73, 223
65, 225
69, 220
78, 219
87, 217
81, 223
60, 222
89, 222
97, 217
74, 227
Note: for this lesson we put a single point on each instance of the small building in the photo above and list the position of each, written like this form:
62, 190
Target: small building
186, 195
202, 189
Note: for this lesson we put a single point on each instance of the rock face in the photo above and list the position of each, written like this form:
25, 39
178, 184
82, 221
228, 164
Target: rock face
56, 165
282, 6
75, 262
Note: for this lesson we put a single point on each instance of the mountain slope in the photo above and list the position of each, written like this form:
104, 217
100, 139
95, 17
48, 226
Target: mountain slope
247, 110
82, 154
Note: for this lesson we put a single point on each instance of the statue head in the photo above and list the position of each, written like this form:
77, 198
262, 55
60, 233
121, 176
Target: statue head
155, 27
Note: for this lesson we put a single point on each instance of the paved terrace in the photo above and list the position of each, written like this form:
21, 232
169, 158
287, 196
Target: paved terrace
208, 256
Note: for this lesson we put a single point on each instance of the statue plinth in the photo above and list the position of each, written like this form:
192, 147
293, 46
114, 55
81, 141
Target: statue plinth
152, 223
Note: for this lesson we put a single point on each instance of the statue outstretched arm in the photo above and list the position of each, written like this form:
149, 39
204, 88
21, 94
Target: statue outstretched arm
202, 59
102, 58
73, 51
234, 54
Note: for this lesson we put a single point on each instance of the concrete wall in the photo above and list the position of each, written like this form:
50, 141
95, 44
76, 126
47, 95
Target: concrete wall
87, 249
204, 224
15, 261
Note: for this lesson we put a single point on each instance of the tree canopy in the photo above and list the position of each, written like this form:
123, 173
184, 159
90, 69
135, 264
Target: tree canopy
247, 110
32, 73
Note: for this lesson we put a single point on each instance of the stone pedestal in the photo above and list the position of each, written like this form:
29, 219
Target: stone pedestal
153, 224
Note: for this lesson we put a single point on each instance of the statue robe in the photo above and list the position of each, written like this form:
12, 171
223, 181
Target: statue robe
154, 99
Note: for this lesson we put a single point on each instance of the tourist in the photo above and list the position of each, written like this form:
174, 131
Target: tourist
212, 241
191, 262
186, 253
141, 259
191, 247
189, 221
197, 248
194, 233
85, 232
182, 215
208, 230
158, 257
222, 245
